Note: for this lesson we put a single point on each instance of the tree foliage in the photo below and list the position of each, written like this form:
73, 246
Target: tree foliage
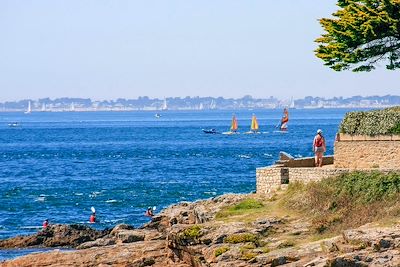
374, 122
360, 34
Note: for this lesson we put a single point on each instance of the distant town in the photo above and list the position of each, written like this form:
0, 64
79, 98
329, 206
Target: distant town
195, 103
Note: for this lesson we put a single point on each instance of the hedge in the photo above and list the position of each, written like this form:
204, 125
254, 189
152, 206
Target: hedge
375, 122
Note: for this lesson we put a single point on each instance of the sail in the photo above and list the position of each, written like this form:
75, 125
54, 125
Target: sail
29, 110
234, 124
285, 119
164, 106
254, 123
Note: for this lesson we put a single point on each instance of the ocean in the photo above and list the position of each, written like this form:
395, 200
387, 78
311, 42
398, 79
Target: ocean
57, 165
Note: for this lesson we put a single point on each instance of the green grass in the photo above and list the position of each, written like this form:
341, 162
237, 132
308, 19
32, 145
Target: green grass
221, 250
244, 207
192, 232
241, 238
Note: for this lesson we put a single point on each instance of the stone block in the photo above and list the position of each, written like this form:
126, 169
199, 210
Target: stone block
345, 137
396, 137
358, 137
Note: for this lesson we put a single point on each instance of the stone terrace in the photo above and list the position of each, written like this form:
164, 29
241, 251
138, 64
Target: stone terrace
362, 153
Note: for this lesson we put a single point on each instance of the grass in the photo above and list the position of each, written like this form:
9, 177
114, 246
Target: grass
244, 207
286, 244
221, 250
346, 201
241, 238
192, 232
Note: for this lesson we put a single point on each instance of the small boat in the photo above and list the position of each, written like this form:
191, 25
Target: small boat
157, 115
210, 131
234, 126
254, 126
13, 124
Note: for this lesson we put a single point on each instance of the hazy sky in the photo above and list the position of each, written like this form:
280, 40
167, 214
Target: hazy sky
110, 49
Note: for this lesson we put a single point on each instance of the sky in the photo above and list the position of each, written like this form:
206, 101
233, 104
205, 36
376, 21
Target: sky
108, 49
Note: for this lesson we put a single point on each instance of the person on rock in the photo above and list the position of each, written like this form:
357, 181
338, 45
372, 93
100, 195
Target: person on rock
149, 212
45, 224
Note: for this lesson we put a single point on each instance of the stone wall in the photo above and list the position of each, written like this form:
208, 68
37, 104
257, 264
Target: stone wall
273, 178
306, 175
287, 160
270, 179
363, 152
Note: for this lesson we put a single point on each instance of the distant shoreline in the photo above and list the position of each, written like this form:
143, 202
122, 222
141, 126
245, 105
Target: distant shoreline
198, 110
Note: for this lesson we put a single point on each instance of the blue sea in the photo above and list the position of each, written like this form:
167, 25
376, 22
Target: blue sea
57, 165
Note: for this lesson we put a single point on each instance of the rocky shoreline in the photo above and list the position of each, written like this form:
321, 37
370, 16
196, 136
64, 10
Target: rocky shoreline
191, 234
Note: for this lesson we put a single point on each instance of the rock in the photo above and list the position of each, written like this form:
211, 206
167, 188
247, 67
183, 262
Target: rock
101, 242
187, 234
152, 253
130, 236
121, 227
56, 235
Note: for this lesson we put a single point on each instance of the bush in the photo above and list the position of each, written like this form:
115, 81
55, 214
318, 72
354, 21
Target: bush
221, 250
192, 232
376, 122
241, 238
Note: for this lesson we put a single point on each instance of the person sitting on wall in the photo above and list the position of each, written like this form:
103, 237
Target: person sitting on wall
319, 148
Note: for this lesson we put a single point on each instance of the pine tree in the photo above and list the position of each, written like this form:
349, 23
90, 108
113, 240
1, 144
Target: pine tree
361, 34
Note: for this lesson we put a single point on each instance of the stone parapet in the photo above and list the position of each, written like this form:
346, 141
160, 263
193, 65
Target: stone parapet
363, 152
348, 138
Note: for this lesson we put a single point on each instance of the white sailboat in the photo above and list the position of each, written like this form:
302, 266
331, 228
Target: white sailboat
213, 105
72, 108
291, 103
164, 106
29, 110
43, 107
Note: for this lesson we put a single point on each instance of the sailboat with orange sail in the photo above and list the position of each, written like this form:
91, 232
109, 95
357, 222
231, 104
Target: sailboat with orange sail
285, 120
234, 126
283, 124
254, 126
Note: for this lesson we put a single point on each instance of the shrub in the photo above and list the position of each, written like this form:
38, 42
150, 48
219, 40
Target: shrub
376, 122
192, 232
286, 244
248, 255
221, 250
241, 238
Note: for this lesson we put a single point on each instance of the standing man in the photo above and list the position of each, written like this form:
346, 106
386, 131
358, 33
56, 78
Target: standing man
319, 148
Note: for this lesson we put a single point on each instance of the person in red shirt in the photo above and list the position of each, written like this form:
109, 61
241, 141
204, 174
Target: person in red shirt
319, 148
92, 218
45, 223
